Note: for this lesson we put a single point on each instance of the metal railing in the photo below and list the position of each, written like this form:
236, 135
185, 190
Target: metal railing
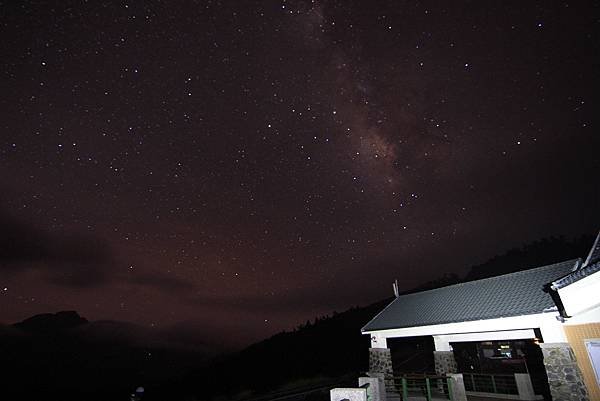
490, 383
422, 385
303, 390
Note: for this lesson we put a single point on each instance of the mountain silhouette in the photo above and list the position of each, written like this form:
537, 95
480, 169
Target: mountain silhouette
64, 356
51, 322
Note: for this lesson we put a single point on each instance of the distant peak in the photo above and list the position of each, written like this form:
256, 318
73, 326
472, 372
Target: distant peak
52, 321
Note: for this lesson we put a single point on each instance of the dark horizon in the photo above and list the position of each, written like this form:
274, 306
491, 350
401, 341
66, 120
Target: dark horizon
192, 334
242, 169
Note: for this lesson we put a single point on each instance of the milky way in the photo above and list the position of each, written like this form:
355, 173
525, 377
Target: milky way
242, 168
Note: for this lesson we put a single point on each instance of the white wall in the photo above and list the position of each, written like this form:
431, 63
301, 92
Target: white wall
581, 296
378, 340
589, 316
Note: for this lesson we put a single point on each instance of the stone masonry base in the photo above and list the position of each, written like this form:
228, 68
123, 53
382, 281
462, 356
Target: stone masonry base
444, 362
564, 376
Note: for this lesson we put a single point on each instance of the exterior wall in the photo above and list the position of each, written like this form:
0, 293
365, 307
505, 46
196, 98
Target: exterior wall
564, 377
581, 295
589, 316
576, 335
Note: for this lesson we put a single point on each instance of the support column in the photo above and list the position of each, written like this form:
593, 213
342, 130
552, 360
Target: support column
444, 362
380, 363
564, 376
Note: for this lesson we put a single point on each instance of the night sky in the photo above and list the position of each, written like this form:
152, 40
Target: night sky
243, 167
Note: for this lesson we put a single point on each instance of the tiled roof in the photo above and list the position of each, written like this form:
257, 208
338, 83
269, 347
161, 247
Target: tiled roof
511, 294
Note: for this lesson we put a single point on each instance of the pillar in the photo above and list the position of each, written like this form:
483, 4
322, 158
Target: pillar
444, 362
380, 362
564, 376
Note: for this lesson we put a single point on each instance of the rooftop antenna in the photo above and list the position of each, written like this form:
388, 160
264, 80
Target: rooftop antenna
395, 285
594, 253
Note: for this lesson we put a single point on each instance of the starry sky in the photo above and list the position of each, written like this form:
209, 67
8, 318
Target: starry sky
241, 167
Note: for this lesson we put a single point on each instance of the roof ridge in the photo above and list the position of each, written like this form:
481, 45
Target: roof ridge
491, 278
510, 294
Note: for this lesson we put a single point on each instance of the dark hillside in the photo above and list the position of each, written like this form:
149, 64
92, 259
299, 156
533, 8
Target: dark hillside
64, 357
328, 347
333, 346
539, 253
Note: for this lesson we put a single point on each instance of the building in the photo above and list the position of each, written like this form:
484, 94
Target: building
547, 316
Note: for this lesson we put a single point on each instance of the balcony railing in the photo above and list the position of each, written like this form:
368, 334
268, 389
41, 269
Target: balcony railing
428, 386
490, 383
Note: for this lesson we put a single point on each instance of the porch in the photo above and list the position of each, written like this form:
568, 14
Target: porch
506, 364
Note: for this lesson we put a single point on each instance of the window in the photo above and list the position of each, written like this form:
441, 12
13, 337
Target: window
593, 349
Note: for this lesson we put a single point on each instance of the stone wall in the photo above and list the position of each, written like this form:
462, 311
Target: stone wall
380, 361
564, 376
444, 362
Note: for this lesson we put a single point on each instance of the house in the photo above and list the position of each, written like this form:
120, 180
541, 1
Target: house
547, 317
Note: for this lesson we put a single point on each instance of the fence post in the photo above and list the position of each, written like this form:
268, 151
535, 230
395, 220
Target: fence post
428, 389
404, 389
449, 385
350, 394
524, 386
375, 391
495, 391
456, 390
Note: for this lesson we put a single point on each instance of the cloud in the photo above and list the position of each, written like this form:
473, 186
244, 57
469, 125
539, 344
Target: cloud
78, 261
70, 260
